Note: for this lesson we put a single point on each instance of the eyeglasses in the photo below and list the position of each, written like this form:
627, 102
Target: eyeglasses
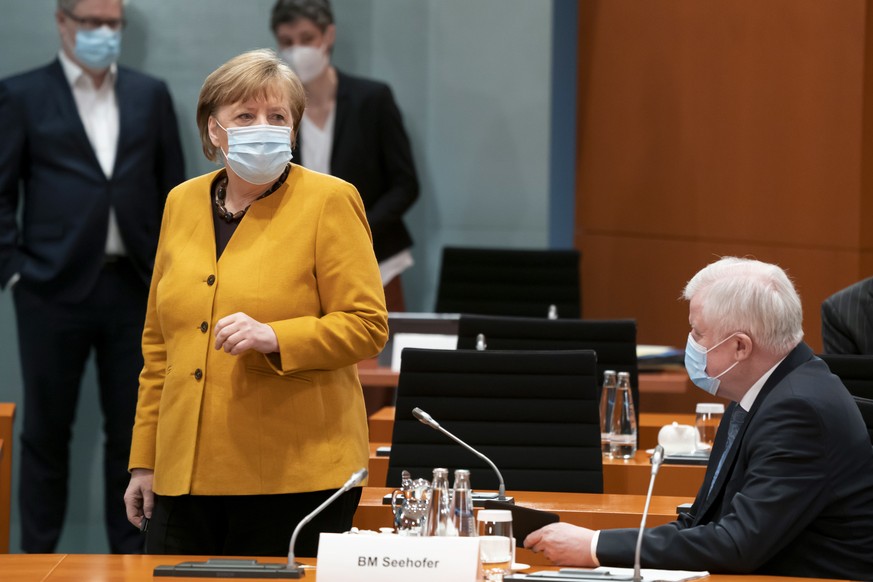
89, 23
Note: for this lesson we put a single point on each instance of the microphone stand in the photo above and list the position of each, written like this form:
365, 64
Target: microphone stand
657, 459
356, 478
231, 568
427, 419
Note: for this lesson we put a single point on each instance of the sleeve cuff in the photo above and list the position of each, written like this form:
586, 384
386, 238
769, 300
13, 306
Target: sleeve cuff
593, 549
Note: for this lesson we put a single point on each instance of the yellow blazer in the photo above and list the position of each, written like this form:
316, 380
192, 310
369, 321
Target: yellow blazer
301, 260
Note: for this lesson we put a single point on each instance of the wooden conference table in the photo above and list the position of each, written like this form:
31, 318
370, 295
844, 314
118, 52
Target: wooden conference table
121, 568
381, 424
621, 477
7, 418
590, 510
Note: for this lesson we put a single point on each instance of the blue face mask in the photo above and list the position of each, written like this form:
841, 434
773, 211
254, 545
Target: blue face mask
98, 48
695, 364
258, 153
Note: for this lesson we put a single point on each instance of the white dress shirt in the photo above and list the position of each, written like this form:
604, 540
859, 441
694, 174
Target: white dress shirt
317, 143
98, 110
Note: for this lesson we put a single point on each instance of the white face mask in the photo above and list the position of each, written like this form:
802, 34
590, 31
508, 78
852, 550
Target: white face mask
695, 364
258, 153
98, 49
308, 62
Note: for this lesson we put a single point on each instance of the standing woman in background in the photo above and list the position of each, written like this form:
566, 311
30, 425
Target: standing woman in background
265, 295
351, 129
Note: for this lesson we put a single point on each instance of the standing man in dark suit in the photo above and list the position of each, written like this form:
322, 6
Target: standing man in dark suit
94, 149
789, 486
847, 320
352, 130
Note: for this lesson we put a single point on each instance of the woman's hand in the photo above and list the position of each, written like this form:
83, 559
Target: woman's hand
139, 500
238, 332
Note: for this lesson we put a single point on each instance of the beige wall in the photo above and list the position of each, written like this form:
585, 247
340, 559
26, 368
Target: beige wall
714, 128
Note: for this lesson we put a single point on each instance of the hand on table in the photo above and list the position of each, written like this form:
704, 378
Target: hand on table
563, 544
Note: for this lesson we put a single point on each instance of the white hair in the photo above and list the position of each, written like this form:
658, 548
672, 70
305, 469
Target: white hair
750, 296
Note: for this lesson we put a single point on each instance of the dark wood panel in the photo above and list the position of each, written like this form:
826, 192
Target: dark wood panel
643, 279
724, 127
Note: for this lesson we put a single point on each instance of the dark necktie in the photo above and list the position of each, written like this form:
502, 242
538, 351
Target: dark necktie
738, 417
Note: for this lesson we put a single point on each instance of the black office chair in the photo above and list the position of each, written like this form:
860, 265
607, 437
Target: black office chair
509, 282
533, 413
615, 341
855, 371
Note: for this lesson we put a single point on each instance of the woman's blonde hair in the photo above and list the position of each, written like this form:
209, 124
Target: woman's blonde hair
252, 75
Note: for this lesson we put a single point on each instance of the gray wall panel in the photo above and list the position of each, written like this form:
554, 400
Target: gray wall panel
472, 78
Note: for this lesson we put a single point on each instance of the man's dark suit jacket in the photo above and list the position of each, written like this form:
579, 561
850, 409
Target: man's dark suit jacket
847, 320
795, 494
371, 150
59, 248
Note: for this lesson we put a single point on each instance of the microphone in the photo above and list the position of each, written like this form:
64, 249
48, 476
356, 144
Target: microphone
657, 459
235, 568
427, 419
355, 479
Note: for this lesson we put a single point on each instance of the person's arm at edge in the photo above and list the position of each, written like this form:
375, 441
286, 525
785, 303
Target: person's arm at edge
836, 338
12, 148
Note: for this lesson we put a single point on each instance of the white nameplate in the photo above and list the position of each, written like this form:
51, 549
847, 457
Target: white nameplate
393, 558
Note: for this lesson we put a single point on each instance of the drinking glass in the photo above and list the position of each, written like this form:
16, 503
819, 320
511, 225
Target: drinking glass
709, 416
495, 523
495, 553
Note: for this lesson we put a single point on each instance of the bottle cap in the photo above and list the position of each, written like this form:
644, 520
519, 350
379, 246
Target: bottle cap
710, 408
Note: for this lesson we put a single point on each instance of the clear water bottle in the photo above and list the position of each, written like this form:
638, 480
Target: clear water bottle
480, 342
623, 442
462, 505
439, 507
607, 399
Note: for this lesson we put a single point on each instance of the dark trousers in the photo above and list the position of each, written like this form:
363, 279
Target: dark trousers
55, 340
245, 525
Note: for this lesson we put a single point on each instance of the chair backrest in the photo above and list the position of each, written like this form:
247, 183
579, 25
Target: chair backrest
615, 341
855, 371
509, 282
533, 413
865, 405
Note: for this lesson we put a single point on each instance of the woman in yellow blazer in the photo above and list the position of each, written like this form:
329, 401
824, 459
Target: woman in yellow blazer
265, 294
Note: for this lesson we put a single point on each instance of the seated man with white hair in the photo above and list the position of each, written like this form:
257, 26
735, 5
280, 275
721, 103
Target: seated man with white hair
789, 486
